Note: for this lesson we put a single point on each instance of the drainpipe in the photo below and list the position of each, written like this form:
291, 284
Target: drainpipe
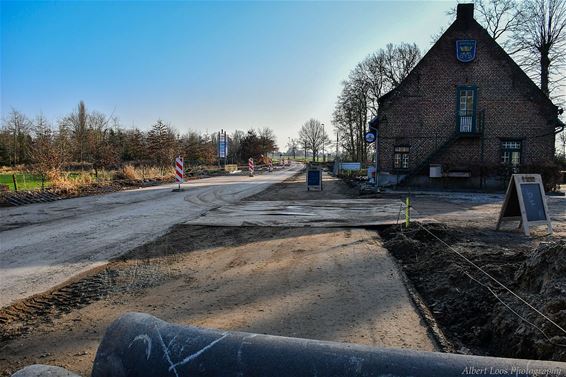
141, 345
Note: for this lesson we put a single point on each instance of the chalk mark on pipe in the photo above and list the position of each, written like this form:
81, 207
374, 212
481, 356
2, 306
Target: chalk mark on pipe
197, 354
242, 343
147, 340
171, 342
166, 353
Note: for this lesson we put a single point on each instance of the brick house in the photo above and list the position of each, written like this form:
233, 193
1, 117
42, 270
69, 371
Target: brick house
466, 114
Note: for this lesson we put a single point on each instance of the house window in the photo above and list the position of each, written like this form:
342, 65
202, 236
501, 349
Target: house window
401, 157
466, 113
511, 152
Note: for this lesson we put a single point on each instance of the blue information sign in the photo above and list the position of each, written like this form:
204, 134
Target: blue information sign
369, 137
222, 145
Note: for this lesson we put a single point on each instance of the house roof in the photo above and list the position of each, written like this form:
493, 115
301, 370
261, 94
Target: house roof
465, 21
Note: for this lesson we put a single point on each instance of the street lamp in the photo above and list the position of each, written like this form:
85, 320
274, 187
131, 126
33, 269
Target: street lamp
337, 142
323, 142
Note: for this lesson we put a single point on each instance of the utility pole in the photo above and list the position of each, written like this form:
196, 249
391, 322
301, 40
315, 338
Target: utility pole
336, 162
323, 142
337, 141
376, 160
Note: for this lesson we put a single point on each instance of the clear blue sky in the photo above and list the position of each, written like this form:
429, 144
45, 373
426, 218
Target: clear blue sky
198, 65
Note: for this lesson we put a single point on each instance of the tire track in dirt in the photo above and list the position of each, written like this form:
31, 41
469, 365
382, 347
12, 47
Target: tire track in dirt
116, 277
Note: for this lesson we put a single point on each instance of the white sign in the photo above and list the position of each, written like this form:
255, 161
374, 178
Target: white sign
352, 166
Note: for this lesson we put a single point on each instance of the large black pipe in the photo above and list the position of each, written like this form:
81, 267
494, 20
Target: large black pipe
142, 345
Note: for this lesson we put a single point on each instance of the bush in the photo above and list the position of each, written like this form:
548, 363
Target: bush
69, 183
127, 172
550, 173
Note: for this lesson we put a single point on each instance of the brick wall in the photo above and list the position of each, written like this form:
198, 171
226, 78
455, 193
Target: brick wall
421, 112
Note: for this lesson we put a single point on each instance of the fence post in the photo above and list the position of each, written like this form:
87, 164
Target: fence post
407, 211
15, 184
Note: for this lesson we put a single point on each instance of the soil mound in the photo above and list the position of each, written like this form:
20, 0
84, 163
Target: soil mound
545, 269
477, 314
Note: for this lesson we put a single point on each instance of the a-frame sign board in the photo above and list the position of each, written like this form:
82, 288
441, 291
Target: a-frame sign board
525, 202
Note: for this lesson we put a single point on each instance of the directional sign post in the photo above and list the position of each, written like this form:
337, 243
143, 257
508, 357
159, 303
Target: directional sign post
371, 136
251, 166
222, 146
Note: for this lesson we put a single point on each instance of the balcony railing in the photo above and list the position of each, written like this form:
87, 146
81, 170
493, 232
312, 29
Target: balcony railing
469, 122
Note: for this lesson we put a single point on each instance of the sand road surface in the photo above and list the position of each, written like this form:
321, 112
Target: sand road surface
336, 284
42, 245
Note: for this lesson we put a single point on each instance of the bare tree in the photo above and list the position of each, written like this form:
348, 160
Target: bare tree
50, 151
101, 152
314, 136
43, 147
562, 143
235, 150
498, 16
292, 146
373, 70
18, 126
377, 74
77, 124
539, 40
399, 61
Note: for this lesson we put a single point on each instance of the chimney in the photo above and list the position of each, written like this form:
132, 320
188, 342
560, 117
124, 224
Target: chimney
465, 12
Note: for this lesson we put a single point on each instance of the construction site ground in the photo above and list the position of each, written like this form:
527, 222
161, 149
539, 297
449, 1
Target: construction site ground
386, 286
335, 284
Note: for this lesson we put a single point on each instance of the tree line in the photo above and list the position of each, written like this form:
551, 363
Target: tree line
95, 139
357, 102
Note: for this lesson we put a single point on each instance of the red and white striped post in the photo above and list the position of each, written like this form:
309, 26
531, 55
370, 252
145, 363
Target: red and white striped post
251, 166
179, 170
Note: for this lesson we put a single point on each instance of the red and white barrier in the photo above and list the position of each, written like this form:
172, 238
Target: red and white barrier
179, 170
251, 166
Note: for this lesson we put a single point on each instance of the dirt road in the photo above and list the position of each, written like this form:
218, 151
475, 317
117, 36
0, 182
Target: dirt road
42, 245
321, 283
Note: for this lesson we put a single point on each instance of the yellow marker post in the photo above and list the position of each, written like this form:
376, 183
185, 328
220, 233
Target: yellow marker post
407, 211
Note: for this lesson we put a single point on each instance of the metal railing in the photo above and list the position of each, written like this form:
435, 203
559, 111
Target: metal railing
470, 122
